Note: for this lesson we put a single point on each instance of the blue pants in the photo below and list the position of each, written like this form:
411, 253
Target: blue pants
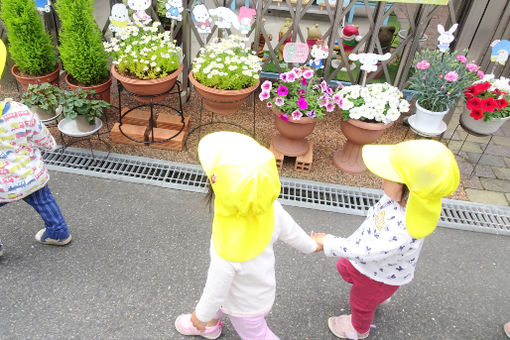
44, 203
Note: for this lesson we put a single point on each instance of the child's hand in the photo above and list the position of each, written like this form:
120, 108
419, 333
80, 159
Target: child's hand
197, 323
319, 239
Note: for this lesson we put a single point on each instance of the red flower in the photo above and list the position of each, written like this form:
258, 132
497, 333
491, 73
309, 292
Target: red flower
476, 114
501, 103
470, 92
473, 103
488, 104
482, 87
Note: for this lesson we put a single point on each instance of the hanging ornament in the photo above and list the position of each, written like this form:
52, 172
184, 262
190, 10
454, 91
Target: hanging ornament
446, 37
119, 19
139, 6
246, 19
174, 9
43, 5
224, 18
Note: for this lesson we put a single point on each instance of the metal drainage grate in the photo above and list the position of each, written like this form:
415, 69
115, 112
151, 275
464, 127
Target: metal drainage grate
308, 194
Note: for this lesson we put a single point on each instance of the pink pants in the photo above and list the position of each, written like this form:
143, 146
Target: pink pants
366, 294
250, 328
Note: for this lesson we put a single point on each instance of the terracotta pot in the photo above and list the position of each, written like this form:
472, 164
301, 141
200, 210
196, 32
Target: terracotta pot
52, 77
292, 138
102, 90
147, 87
222, 101
480, 126
358, 133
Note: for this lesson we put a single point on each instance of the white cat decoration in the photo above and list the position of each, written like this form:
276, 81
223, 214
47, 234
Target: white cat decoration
202, 19
224, 18
119, 19
174, 9
139, 6
446, 37
318, 53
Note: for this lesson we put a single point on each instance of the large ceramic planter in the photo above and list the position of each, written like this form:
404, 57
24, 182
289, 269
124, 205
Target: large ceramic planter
79, 127
148, 87
102, 90
292, 138
480, 126
222, 101
358, 133
429, 122
52, 77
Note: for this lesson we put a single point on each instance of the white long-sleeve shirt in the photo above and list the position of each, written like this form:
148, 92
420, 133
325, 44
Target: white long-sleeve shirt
248, 288
381, 248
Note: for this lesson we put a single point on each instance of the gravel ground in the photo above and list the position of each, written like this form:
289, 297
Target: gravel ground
326, 138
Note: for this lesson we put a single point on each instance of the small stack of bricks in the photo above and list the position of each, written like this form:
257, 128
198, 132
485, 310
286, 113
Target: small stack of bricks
303, 163
136, 125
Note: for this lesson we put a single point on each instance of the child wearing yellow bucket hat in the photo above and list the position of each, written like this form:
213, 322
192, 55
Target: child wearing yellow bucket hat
22, 171
381, 255
247, 221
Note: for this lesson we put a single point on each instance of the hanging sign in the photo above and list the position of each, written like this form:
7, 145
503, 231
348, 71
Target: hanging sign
295, 53
424, 2
174, 9
500, 51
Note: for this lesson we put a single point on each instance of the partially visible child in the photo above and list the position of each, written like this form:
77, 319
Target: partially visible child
381, 255
248, 220
23, 174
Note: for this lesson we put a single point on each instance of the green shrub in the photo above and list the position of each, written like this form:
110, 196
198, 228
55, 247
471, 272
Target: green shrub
30, 45
81, 43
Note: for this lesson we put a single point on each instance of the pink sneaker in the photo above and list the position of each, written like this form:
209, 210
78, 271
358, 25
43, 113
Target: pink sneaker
342, 327
185, 327
506, 327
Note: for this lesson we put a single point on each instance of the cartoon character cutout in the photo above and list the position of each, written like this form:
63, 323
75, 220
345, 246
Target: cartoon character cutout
446, 37
500, 51
43, 5
369, 60
174, 9
319, 52
139, 6
202, 19
224, 18
119, 19
246, 19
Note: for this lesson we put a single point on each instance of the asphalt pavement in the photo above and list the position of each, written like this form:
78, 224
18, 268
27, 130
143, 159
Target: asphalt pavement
139, 258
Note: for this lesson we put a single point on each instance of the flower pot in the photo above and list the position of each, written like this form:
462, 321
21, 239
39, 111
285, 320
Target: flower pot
402, 35
292, 138
222, 101
480, 126
102, 90
146, 87
45, 116
79, 127
358, 133
52, 77
427, 121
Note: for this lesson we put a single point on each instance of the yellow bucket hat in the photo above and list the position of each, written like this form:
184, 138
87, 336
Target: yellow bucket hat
3, 56
245, 181
429, 170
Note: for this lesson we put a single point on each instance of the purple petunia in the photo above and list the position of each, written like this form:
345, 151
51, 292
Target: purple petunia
311, 113
282, 91
302, 103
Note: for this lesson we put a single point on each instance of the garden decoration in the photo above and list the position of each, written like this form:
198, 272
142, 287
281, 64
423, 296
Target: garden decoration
385, 37
81, 48
201, 18
43, 5
139, 6
246, 17
445, 37
295, 53
283, 30
145, 61
225, 73
3, 56
350, 39
369, 61
30, 46
262, 43
44, 100
313, 35
224, 18
318, 53
298, 99
174, 9
366, 112
119, 19
500, 51
439, 80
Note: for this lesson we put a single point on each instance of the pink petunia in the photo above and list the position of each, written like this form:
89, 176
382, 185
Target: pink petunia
472, 67
301, 92
264, 95
282, 91
297, 72
269, 104
283, 77
330, 107
291, 77
284, 117
423, 65
304, 82
337, 98
451, 76
267, 85
461, 58
302, 103
279, 101
296, 115
307, 74
480, 74
324, 86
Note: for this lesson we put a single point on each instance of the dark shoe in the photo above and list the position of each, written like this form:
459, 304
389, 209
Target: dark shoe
41, 237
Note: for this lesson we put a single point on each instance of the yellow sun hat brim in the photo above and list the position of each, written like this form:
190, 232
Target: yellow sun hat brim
427, 167
245, 181
3, 57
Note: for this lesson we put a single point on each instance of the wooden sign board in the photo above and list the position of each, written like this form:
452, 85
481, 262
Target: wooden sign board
295, 53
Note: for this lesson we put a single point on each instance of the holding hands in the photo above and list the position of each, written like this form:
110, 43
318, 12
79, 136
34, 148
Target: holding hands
319, 239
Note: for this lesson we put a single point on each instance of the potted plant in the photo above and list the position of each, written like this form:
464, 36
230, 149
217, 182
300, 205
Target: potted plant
81, 48
225, 73
439, 80
299, 98
487, 105
44, 100
146, 61
81, 111
366, 112
30, 45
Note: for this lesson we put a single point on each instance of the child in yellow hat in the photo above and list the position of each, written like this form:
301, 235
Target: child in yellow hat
247, 221
381, 255
22, 171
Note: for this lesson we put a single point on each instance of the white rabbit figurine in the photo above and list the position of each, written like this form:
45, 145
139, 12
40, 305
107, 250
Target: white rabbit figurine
446, 37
